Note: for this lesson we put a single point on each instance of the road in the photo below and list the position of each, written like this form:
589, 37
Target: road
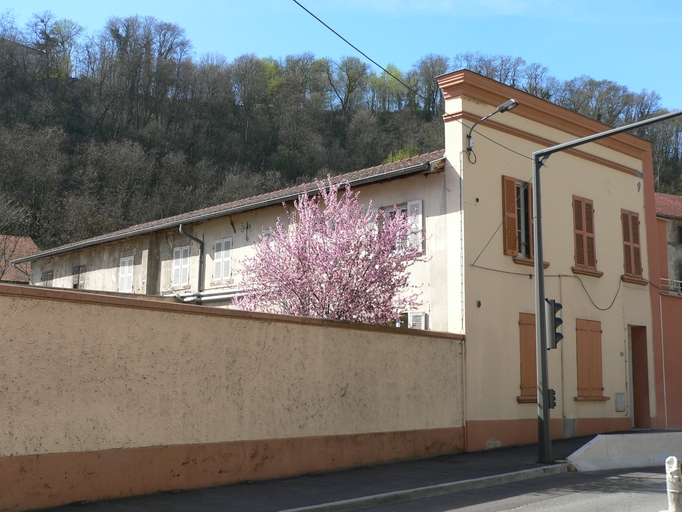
641, 490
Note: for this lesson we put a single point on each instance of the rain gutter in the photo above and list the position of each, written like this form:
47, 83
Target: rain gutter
426, 166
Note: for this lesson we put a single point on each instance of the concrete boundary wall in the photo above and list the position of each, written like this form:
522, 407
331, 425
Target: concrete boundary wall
110, 396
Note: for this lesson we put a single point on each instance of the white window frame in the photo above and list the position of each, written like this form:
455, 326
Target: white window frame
125, 274
222, 259
46, 278
413, 209
180, 270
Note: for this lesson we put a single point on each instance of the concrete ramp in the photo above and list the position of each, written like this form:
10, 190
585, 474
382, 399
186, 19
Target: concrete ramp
614, 451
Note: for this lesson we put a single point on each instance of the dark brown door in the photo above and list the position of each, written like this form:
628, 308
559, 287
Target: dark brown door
640, 377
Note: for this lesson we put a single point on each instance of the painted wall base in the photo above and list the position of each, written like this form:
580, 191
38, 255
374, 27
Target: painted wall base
489, 434
41, 481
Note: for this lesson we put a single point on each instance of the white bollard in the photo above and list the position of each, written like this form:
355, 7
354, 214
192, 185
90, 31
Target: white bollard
673, 478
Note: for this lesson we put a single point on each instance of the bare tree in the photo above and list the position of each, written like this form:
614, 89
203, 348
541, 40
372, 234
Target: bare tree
13, 224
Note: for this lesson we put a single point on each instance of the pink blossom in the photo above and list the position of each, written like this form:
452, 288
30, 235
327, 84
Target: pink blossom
335, 259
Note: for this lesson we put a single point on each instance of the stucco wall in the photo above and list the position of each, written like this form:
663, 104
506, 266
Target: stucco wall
498, 289
89, 376
83, 373
674, 249
154, 252
672, 350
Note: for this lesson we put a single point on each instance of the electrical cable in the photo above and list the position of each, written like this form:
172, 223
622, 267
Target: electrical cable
417, 93
620, 280
504, 219
409, 88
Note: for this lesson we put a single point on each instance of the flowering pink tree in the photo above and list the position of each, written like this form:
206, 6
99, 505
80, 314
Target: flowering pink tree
335, 259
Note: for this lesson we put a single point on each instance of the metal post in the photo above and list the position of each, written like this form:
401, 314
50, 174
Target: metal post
673, 484
544, 430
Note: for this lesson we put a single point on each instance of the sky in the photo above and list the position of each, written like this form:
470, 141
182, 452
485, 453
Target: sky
633, 43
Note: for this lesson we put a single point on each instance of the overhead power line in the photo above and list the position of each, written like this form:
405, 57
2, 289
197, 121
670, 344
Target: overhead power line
408, 87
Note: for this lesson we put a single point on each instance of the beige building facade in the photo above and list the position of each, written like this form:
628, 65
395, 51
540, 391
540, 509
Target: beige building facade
477, 279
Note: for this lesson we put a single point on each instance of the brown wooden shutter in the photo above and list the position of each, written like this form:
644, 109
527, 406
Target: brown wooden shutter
636, 248
510, 232
591, 254
528, 358
579, 232
632, 250
589, 358
583, 222
627, 242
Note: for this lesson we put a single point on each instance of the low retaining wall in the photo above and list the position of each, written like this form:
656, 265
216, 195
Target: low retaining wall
615, 451
107, 396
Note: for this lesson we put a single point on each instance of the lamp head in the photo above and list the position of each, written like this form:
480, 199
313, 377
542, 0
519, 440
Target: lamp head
507, 105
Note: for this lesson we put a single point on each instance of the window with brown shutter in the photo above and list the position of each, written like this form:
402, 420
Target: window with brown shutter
517, 220
632, 250
589, 360
511, 242
583, 229
528, 359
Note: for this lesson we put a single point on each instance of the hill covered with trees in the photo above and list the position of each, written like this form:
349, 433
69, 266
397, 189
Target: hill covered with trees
105, 130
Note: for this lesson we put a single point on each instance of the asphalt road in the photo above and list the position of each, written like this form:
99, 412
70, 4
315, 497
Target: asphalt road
640, 490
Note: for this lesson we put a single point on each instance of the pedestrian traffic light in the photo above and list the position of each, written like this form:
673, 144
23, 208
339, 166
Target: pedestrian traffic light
552, 398
552, 323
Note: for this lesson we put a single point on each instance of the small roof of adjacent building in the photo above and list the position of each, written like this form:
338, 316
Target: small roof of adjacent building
433, 161
669, 206
13, 247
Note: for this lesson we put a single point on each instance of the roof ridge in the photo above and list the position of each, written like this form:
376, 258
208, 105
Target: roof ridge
373, 173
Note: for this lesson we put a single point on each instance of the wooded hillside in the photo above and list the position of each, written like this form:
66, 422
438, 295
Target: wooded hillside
105, 130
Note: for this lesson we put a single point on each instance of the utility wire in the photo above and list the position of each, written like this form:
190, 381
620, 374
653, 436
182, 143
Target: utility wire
504, 219
417, 93
409, 88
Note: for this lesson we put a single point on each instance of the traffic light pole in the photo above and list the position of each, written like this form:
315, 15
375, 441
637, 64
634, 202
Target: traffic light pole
539, 158
544, 430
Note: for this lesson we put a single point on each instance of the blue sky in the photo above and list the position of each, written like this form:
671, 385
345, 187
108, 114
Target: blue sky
634, 43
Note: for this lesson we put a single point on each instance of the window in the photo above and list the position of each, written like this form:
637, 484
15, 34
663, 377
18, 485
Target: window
583, 227
222, 259
180, 276
632, 251
517, 211
588, 346
79, 277
529, 371
125, 275
46, 278
413, 210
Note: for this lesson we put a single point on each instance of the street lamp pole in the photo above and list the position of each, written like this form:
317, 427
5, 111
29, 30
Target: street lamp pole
539, 158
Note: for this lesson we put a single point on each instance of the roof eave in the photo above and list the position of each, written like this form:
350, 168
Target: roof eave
426, 166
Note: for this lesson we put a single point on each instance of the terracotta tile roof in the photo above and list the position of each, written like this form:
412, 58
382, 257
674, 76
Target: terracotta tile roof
12, 247
378, 172
668, 205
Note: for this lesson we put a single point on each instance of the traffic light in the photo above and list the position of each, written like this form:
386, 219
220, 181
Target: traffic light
552, 323
552, 398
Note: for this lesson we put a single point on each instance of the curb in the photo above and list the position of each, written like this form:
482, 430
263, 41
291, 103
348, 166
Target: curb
430, 491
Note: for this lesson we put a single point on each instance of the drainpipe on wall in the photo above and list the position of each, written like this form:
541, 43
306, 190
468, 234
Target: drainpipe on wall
23, 272
200, 285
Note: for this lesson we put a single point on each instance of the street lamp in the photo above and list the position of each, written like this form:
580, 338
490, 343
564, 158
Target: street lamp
539, 158
504, 107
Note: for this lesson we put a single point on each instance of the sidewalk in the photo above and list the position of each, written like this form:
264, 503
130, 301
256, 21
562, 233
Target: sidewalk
317, 489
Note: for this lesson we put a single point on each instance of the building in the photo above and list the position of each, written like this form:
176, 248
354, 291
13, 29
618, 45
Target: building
11, 248
666, 301
476, 211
